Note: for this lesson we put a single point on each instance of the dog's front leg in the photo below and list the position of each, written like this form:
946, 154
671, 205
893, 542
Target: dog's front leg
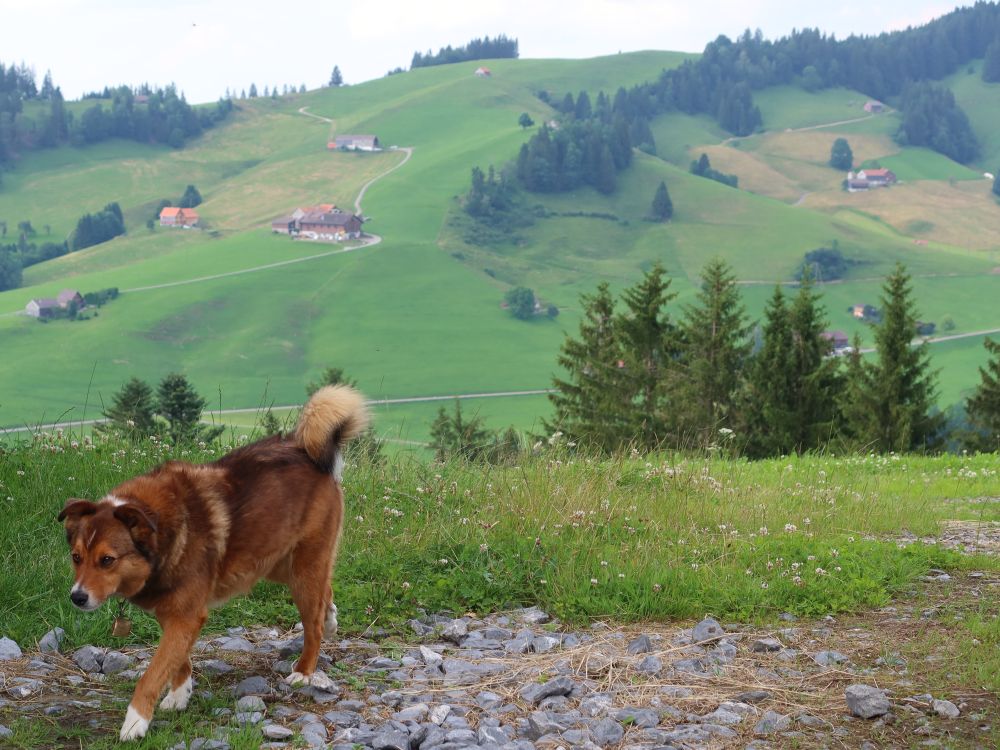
171, 657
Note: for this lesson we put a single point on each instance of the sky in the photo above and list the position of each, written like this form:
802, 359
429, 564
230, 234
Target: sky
207, 46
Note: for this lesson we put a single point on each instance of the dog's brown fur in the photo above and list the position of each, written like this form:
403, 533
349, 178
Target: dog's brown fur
185, 537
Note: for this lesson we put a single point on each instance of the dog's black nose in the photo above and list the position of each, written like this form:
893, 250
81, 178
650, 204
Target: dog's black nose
79, 598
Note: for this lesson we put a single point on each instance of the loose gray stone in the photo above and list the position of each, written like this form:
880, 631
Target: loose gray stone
642, 718
694, 734
22, 687
535, 693
243, 718
52, 641
517, 646
256, 685
866, 701
947, 709
650, 665
545, 643
235, 644
6, 732
577, 737
830, 658
540, 724
488, 700
277, 732
495, 735
214, 667
707, 630
431, 658
640, 645
416, 712
754, 696
9, 649
772, 722
534, 616
461, 736
89, 658
343, 718
722, 716
607, 732
115, 662
808, 720
764, 645
455, 631
439, 713
250, 703
201, 743
388, 738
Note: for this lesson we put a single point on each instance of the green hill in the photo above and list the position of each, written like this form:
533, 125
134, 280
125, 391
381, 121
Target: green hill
419, 314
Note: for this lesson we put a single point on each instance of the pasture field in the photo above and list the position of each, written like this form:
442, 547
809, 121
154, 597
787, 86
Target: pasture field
419, 313
981, 102
785, 107
690, 535
924, 164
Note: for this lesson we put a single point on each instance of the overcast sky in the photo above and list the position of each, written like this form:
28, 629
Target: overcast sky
205, 46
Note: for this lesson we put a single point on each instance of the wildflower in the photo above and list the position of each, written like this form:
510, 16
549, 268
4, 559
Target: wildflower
811, 558
820, 572
850, 538
593, 581
406, 585
806, 520
838, 569
762, 531
694, 566
359, 519
483, 547
834, 553
20, 472
621, 575
604, 563
748, 572
797, 580
657, 587
443, 561
790, 527
542, 581
763, 584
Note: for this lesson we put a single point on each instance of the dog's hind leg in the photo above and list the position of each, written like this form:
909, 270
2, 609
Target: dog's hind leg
311, 594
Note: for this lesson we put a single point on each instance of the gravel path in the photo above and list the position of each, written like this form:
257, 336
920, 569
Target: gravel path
521, 681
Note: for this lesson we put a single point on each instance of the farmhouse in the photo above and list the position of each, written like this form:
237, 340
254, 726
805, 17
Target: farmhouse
866, 179
874, 106
355, 143
69, 297
44, 307
322, 222
838, 340
172, 216
484, 72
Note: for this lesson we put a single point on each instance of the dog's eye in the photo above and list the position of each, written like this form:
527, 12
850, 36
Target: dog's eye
76, 558
106, 561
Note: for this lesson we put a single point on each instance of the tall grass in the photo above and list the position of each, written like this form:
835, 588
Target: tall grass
630, 538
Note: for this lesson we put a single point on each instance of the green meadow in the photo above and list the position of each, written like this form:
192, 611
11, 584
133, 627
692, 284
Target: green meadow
253, 317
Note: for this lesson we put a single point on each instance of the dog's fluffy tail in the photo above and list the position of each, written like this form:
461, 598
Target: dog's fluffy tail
333, 415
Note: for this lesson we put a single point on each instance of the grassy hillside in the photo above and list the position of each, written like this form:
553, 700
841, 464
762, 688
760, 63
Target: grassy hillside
419, 313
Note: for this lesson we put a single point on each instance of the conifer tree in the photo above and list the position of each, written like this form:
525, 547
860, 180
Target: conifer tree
606, 180
991, 64
649, 352
983, 406
179, 404
896, 392
766, 414
586, 401
455, 435
841, 156
663, 207
336, 78
996, 184
131, 411
715, 335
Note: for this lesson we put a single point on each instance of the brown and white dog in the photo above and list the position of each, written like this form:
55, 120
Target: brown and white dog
187, 537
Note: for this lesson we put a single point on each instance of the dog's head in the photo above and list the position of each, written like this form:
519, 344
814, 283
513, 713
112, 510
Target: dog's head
112, 545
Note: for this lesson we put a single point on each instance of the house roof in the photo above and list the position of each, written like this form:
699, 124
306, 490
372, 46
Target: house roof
44, 302
339, 219
835, 335
877, 172
189, 213
343, 140
169, 211
67, 294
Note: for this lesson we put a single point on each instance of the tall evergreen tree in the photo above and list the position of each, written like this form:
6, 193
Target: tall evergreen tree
663, 207
606, 180
583, 110
131, 411
715, 335
991, 64
996, 184
191, 197
767, 417
457, 435
650, 352
983, 406
586, 401
896, 392
336, 78
179, 404
841, 156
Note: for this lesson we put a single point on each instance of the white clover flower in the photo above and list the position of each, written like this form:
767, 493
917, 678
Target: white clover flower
763, 584
820, 572
790, 527
593, 581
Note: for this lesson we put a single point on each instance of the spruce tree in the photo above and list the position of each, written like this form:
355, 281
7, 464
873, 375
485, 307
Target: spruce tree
179, 404
841, 156
455, 435
131, 411
649, 352
896, 392
815, 374
767, 416
715, 335
586, 401
606, 180
336, 78
663, 207
996, 184
983, 406
991, 64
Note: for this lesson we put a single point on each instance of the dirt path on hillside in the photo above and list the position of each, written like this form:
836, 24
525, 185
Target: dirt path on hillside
304, 111
364, 188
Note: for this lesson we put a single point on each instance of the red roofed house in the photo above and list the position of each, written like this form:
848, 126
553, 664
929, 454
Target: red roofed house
838, 340
172, 216
70, 296
484, 72
878, 177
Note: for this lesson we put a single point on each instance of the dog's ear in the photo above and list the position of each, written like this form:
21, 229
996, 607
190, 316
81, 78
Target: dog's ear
72, 512
141, 524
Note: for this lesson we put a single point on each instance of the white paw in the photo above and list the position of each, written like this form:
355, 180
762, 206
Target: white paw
317, 679
330, 628
177, 699
134, 726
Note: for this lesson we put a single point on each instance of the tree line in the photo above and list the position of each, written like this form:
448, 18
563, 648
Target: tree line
720, 83
642, 374
501, 46
161, 116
